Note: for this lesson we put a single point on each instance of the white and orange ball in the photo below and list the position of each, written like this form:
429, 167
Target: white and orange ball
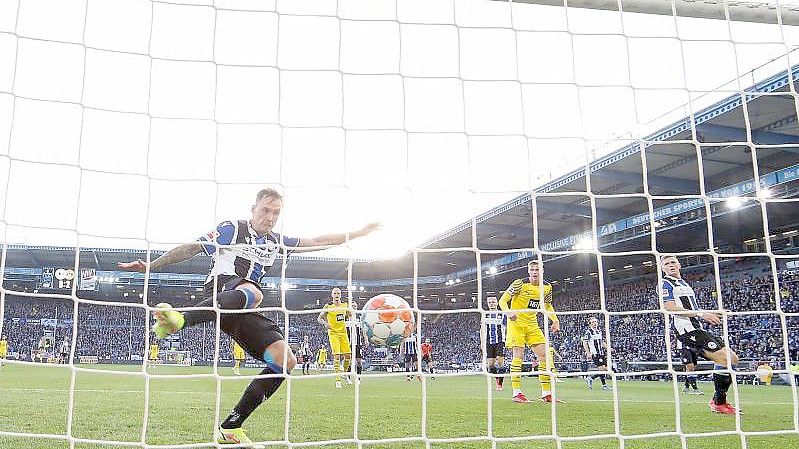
387, 320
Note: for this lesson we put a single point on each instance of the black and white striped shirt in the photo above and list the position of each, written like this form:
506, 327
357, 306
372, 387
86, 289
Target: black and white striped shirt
244, 253
409, 345
495, 323
678, 290
595, 340
305, 349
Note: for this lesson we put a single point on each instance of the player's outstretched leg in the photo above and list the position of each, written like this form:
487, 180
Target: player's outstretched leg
236, 295
262, 340
168, 321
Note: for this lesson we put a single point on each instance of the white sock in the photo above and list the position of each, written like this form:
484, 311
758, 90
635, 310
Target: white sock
516, 391
545, 392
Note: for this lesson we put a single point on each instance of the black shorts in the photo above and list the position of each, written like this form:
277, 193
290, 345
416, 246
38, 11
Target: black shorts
700, 340
252, 331
225, 282
426, 358
600, 359
688, 356
494, 350
410, 358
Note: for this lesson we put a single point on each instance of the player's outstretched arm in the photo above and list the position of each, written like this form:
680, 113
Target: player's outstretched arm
335, 239
175, 255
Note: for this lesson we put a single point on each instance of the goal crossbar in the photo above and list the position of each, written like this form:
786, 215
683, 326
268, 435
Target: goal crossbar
700, 9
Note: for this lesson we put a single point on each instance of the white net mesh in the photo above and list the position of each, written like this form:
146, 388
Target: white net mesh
139, 124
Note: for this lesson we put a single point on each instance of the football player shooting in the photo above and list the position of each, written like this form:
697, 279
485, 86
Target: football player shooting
247, 249
679, 299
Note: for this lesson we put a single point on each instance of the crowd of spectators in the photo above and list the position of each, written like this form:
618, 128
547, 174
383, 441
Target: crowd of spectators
117, 333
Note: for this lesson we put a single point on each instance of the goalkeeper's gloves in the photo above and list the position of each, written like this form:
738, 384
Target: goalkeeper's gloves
515, 287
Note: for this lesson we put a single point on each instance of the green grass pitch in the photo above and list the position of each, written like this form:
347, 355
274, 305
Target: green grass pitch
34, 399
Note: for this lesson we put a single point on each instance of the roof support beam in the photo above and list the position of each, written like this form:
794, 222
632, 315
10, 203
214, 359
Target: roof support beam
733, 134
568, 208
675, 184
493, 228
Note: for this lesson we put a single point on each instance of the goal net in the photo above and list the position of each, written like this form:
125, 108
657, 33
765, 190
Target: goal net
590, 136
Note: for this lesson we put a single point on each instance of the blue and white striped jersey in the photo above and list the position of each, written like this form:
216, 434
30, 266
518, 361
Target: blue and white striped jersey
595, 340
495, 323
409, 345
248, 255
305, 349
678, 290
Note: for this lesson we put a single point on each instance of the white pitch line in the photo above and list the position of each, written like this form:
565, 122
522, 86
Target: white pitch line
213, 393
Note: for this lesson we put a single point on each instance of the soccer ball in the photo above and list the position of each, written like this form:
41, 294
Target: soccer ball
387, 320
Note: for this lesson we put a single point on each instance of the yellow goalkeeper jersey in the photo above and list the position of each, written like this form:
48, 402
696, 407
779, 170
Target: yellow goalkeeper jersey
529, 297
3, 348
337, 318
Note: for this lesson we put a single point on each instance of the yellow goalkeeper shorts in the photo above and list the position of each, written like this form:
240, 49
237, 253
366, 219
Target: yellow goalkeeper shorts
523, 335
339, 343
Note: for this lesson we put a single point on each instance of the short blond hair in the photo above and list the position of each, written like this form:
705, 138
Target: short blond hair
268, 192
663, 257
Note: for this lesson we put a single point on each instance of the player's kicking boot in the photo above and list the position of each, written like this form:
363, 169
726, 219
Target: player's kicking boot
168, 321
233, 436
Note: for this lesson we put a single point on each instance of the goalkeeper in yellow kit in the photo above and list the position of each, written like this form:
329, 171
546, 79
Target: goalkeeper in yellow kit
3, 349
523, 329
334, 317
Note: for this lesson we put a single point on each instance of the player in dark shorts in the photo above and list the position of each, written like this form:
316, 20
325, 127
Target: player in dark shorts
495, 322
689, 357
360, 341
680, 300
305, 356
427, 357
243, 251
595, 349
